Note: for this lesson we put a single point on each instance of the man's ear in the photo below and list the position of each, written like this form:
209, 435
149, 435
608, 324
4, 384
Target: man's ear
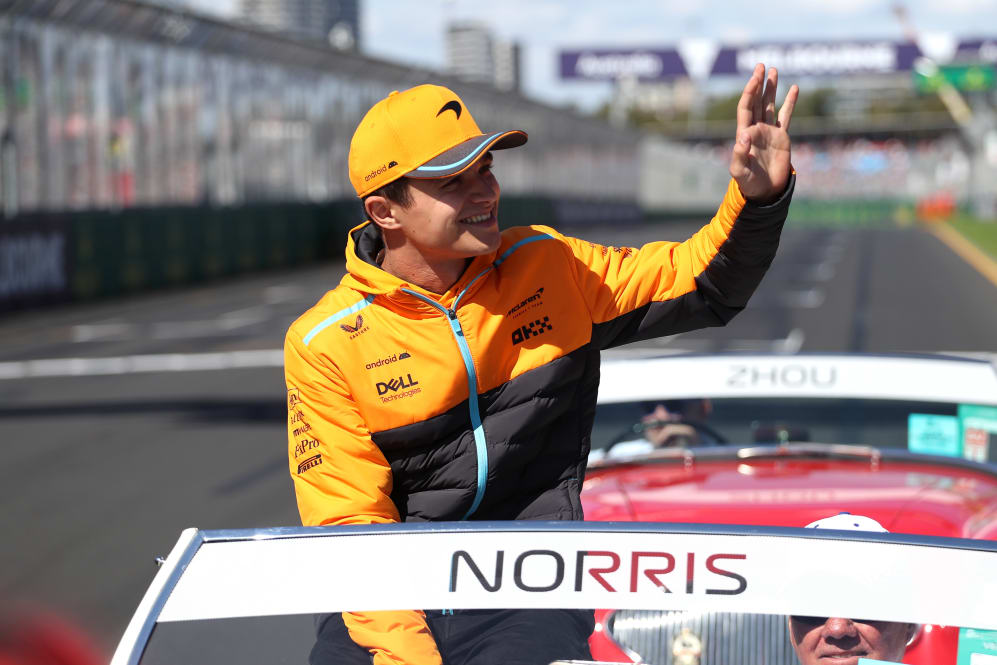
380, 211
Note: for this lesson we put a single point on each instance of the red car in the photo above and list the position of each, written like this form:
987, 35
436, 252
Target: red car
771, 441
908, 441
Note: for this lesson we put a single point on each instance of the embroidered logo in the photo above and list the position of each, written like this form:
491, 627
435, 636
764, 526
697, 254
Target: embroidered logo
532, 329
397, 388
450, 106
357, 329
625, 251
313, 461
531, 302
304, 446
393, 358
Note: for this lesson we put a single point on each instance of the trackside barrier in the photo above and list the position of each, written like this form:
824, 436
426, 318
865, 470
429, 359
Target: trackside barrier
814, 213
870, 213
50, 258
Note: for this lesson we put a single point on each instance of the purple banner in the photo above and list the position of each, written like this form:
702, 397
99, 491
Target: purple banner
612, 64
822, 58
977, 50
819, 58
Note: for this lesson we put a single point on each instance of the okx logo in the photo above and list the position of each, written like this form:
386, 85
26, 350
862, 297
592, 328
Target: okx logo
532, 329
397, 388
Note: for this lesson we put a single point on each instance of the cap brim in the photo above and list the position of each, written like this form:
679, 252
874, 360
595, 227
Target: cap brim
461, 156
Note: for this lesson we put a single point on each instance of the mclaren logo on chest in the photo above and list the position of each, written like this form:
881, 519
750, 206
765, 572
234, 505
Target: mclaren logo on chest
531, 302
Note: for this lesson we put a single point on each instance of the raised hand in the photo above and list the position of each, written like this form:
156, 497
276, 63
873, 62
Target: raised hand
760, 162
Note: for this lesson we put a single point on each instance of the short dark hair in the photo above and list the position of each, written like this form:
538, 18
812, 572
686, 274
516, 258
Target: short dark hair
671, 405
396, 191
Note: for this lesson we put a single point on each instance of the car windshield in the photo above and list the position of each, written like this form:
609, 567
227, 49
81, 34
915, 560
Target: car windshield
918, 426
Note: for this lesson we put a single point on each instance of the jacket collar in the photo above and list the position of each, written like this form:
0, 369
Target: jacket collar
363, 245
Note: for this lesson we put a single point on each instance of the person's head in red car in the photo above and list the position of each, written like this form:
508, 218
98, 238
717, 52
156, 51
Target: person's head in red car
676, 422
840, 640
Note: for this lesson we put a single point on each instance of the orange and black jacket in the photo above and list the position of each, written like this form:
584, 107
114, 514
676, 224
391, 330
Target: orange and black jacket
477, 404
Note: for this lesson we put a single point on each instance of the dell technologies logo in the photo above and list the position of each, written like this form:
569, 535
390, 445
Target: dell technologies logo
394, 385
397, 388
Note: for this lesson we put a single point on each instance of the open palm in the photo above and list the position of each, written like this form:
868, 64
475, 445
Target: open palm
760, 162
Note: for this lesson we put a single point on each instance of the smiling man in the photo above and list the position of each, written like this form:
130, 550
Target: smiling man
453, 372
840, 641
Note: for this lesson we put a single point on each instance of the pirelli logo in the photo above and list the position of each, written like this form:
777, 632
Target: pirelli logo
309, 463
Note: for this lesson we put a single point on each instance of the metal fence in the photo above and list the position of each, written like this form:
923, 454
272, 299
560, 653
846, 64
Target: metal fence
108, 104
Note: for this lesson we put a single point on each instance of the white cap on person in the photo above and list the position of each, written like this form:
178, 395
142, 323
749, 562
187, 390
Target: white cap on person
847, 522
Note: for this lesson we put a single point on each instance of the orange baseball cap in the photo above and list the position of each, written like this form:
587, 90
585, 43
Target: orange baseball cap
423, 132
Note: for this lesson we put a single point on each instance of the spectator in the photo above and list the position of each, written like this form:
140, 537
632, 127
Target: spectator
822, 640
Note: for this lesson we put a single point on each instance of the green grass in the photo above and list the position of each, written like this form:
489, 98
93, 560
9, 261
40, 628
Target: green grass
982, 233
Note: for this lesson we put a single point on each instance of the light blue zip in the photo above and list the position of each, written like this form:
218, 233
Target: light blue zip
472, 376
472, 391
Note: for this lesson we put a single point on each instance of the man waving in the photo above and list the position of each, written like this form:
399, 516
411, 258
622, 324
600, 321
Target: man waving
453, 372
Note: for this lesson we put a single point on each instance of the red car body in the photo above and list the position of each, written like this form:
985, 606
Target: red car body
863, 405
918, 496
788, 486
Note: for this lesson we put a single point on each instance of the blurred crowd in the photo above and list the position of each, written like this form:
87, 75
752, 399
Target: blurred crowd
892, 168
689, 177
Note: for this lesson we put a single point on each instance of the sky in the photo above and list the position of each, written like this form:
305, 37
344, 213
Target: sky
412, 31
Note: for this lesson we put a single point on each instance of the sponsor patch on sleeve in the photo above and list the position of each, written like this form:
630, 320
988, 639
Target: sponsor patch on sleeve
310, 463
293, 399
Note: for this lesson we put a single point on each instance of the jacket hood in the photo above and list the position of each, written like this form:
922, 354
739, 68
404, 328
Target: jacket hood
364, 243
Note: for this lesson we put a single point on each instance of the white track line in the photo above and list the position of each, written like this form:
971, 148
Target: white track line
92, 332
792, 343
224, 325
161, 362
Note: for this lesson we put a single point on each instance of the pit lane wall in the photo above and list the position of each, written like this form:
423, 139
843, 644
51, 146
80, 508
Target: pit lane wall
51, 258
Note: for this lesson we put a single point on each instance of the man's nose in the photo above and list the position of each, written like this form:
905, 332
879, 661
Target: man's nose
483, 187
839, 627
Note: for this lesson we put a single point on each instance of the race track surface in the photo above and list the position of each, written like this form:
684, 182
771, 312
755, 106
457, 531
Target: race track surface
106, 456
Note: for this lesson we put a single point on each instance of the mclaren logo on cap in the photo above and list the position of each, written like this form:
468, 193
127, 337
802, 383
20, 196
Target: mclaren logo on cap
450, 106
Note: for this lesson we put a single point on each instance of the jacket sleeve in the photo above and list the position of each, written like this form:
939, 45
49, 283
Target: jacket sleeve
665, 288
341, 477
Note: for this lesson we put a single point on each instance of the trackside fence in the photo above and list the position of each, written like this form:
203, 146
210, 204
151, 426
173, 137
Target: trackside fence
49, 258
